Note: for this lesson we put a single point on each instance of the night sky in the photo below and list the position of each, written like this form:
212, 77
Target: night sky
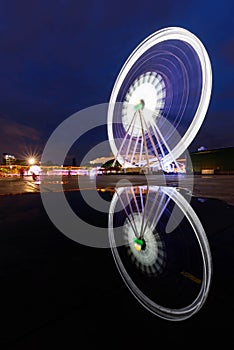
59, 57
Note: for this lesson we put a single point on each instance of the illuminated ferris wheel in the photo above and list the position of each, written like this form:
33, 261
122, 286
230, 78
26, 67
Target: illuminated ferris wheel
160, 99
160, 249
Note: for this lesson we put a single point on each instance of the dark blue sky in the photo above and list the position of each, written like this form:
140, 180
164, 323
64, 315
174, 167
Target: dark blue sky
58, 57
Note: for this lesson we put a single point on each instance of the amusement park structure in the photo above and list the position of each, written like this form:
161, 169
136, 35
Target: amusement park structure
157, 105
159, 100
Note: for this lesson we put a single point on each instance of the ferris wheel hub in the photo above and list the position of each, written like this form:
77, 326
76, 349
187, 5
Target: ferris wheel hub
139, 244
146, 92
140, 105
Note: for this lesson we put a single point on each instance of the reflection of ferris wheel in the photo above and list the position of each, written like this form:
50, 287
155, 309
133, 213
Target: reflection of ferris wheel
159, 99
168, 271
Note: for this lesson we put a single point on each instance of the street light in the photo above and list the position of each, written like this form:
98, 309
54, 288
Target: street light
31, 161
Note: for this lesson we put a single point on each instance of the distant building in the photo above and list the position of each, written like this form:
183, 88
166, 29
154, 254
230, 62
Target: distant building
101, 160
204, 161
215, 161
202, 148
8, 159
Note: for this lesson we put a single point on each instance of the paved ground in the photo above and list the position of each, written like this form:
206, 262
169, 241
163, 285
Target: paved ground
219, 186
55, 292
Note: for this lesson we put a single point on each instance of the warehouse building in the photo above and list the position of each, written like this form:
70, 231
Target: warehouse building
215, 161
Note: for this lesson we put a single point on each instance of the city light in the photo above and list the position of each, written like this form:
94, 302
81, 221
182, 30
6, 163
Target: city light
31, 161
31, 156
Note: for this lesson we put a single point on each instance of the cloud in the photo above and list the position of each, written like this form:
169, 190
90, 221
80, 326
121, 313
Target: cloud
17, 138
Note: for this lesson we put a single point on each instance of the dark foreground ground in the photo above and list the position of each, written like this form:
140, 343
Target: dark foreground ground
55, 292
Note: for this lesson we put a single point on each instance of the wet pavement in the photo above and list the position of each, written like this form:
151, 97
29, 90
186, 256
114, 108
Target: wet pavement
56, 291
210, 186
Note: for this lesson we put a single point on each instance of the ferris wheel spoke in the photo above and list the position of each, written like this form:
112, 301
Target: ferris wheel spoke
135, 147
144, 212
150, 137
160, 210
144, 140
124, 139
166, 144
141, 199
135, 200
129, 144
141, 150
150, 212
131, 210
132, 222
157, 138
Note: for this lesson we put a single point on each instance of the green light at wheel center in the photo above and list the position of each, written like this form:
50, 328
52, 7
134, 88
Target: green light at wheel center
138, 106
139, 241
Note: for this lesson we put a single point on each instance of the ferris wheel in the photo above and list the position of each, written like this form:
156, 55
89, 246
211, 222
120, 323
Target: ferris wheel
159, 99
165, 262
